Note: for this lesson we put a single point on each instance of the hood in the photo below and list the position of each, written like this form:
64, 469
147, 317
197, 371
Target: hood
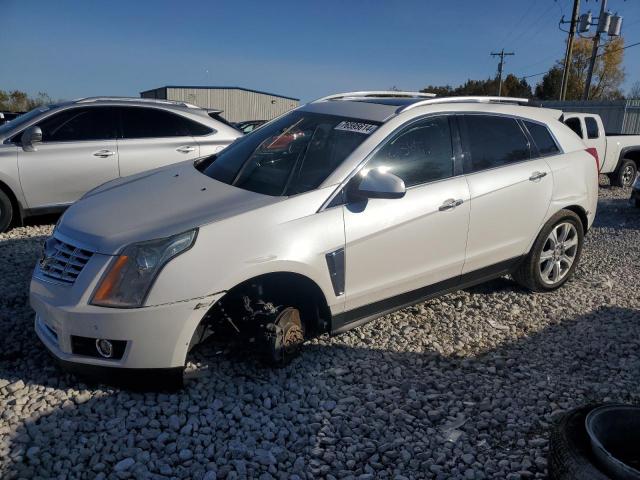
153, 204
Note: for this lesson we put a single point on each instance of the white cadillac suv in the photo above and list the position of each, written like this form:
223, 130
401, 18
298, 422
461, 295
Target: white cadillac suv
54, 154
327, 217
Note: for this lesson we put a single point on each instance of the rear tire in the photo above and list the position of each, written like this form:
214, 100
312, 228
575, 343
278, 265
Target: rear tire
625, 174
6, 212
554, 255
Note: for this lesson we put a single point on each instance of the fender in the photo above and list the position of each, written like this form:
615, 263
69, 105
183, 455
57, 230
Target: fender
635, 149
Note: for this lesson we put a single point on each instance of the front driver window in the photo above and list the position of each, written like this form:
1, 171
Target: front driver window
76, 124
420, 153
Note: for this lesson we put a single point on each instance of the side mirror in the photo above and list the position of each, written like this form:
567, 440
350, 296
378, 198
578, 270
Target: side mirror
31, 137
376, 184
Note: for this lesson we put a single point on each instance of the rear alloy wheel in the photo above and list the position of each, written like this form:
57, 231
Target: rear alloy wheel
554, 255
626, 174
6, 212
558, 253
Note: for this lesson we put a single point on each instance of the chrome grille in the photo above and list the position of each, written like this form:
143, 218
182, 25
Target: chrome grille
62, 261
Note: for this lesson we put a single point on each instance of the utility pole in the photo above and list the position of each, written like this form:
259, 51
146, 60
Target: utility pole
500, 54
594, 51
569, 51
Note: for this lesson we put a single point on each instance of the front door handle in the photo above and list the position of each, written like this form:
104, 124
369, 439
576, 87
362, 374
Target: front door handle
537, 176
450, 204
185, 149
104, 153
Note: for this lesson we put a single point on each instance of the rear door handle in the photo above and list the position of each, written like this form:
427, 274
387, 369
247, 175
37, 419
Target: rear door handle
104, 153
450, 204
537, 176
185, 149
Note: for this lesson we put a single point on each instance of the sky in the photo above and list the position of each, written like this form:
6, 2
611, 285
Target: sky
302, 49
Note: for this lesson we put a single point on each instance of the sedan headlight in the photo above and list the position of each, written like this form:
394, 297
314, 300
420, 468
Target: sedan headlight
131, 275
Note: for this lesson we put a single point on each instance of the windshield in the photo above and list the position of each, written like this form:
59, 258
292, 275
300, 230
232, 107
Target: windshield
293, 154
22, 119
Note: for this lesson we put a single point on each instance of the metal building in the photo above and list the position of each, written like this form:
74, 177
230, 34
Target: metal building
237, 103
618, 116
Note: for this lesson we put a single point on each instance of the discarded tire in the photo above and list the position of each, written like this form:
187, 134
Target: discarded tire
570, 455
614, 433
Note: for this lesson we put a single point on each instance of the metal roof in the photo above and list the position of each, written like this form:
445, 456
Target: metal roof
215, 87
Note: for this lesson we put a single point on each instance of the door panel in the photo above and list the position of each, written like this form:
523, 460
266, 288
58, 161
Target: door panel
78, 153
60, 173
594, 136
395, 246
140, 154
151, 138
510, 192
506, 212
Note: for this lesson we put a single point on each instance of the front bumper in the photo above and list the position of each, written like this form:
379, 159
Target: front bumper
156, 337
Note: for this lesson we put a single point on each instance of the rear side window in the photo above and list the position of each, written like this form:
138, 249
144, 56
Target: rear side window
542, 138
574, 124
420, 153
78, 124
493, 141
140, 122
592, 127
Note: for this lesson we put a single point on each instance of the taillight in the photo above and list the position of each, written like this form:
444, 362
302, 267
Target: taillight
594, 152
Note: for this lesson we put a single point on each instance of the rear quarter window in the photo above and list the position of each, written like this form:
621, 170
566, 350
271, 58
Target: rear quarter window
542, 138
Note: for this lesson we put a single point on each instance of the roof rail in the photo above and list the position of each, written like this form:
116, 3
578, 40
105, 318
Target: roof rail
135, 99
375, 93
434, 101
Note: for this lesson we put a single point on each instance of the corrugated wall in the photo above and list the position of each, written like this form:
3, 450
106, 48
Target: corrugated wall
237, 105
618, 116
632, 117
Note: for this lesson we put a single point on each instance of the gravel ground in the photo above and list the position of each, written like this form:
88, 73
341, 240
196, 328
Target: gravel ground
465, 386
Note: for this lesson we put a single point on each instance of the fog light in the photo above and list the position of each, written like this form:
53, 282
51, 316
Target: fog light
104, 347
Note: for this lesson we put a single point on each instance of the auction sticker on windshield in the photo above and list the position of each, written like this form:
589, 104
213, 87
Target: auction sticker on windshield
357, 127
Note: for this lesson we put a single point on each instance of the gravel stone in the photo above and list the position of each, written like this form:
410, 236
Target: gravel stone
463, 386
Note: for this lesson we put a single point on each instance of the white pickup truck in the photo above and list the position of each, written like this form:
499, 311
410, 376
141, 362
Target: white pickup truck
619, 155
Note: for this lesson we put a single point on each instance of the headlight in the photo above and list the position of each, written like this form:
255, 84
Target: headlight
131, 274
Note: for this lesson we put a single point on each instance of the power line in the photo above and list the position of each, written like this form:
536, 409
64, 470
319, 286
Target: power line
517, 24
522, 77
618, 49
533, 25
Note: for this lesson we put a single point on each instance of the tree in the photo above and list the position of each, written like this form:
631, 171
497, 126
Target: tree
18, 101
634, 91
511, 87
549, 87
608, 73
